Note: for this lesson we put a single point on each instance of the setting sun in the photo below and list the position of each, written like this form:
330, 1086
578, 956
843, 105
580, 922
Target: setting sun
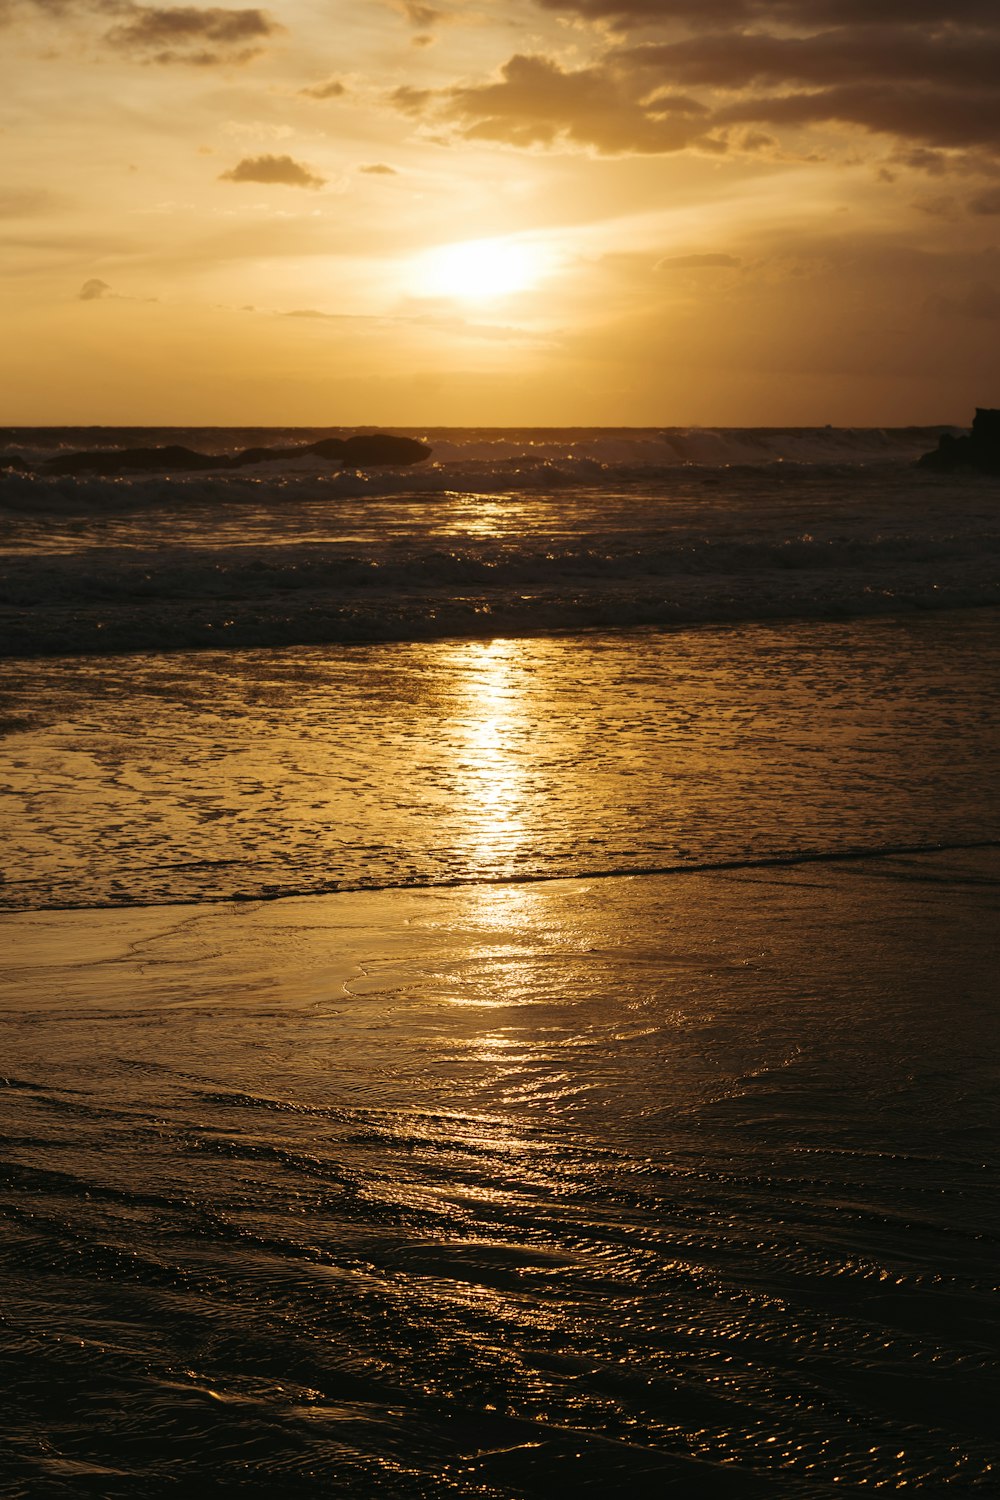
479, 270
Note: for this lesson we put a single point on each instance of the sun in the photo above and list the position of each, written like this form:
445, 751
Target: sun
480, 270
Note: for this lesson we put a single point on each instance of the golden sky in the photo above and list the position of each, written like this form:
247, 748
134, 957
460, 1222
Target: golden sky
544, 212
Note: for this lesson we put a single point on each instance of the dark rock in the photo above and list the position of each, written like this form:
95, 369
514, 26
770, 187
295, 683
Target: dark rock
252, 456
132, 461
360, 452
978, 452
383, 448
355, 452
986, 426
327, 448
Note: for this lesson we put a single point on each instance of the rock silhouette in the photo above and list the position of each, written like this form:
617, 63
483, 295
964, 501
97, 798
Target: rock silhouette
132, 461
979, 451
364, 450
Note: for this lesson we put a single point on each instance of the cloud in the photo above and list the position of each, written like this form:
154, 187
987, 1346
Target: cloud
942, 118
986, 203
411, 101
421, 16
920, 159
272, 169
934, 85
198, 36
379, 169
697, 262
942, 206
843, 55
188, 34
923, 73
331, 89
537, 103
23, 203
93, 290
784, 13
312, 312
980, 302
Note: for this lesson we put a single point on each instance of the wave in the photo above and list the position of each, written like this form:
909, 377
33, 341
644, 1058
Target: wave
319, 618
460, 459
501, 534
271, 891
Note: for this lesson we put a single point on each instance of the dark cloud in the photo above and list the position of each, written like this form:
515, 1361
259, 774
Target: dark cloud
938, 88
379, 169
189, 34
272, 169
331, 89
934, 85
804, 14
882, 54
93, 290
920, 72
986, 203
980, 302
698, 262
937, 117
942, 207
537, 103
920, 159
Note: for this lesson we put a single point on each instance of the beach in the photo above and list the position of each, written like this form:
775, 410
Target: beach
681, 1184
441, 1059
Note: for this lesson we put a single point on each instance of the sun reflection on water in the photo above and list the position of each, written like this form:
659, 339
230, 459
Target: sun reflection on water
493, 730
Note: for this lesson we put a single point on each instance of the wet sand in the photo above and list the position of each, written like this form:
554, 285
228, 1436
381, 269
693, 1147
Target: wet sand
506, 1188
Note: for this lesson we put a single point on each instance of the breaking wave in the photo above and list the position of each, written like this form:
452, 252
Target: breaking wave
500, 533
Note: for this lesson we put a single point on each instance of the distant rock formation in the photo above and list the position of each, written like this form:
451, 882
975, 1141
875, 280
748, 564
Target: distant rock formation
132, 461
354, 452
363, 451
979, 451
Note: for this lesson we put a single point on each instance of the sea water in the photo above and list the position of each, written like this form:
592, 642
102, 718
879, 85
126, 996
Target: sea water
499, 982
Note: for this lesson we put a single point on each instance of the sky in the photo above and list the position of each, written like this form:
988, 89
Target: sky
542, 212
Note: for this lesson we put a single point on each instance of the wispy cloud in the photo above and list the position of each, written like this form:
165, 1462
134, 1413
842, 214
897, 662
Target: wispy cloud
711, 261
331, 89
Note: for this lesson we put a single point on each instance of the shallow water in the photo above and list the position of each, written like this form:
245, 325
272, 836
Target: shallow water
482, 1191
205, 776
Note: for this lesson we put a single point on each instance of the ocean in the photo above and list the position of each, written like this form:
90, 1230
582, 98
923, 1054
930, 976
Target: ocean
499, 980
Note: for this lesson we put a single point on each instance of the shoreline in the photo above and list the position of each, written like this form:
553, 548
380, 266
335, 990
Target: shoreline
714, 867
